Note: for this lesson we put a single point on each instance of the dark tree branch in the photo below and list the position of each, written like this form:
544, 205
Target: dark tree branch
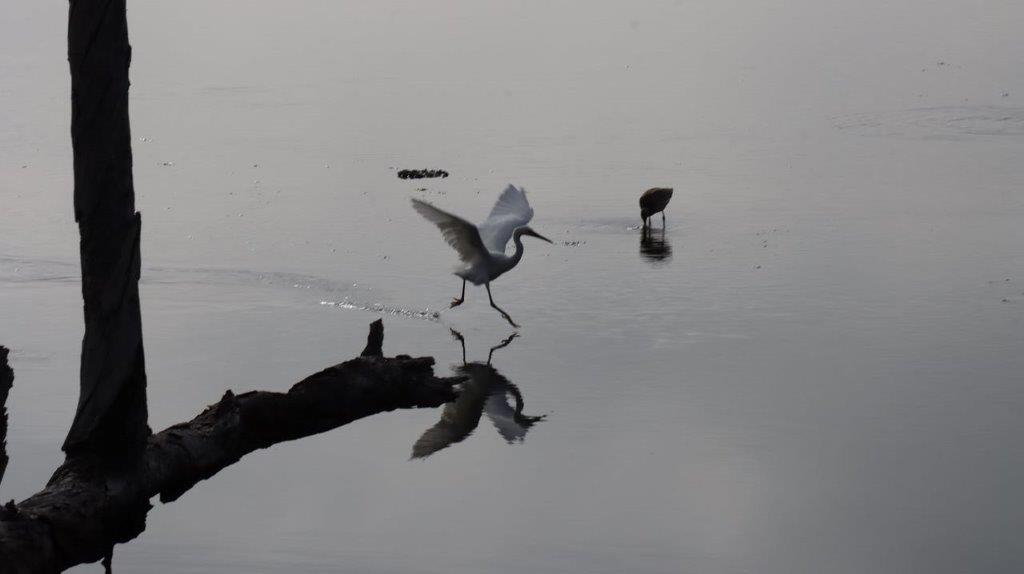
375, 340
100, 496
111, 418
89, 505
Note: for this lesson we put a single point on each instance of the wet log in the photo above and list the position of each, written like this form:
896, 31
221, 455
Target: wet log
100, 496
90, 504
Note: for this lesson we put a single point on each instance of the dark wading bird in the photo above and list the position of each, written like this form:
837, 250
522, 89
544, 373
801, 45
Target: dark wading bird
654, 201
485, 391
482, 249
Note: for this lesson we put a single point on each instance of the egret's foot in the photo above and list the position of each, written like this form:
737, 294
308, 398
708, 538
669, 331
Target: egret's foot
509, 319
456, 302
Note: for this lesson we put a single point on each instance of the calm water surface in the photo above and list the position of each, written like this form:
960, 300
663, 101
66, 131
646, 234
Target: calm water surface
816, 367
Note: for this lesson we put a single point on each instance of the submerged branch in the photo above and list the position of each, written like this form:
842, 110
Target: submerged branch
88, 506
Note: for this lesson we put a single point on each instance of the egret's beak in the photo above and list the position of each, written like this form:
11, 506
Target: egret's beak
537, 235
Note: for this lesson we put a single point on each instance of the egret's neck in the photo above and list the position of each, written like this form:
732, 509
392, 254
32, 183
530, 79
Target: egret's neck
517, 238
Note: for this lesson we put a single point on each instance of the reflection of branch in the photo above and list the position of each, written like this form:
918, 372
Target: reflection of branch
87, 507
6, 381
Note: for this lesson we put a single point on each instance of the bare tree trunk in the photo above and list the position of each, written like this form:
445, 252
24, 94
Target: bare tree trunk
100, 496
6, 382
111, 417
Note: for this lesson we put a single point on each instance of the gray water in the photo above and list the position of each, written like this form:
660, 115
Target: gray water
818, 369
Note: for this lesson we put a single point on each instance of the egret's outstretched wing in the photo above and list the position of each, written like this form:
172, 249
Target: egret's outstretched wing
511, 211
459, 233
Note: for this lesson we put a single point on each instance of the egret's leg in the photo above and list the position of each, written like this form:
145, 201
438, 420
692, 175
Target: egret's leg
500, 310
458, 301
663, 220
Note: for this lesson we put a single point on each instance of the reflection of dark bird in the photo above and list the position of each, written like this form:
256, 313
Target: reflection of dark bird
654, 246
485, 391
482, 248
654, 201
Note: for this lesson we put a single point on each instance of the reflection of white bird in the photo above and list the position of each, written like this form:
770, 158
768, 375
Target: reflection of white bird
486, 391
482, 249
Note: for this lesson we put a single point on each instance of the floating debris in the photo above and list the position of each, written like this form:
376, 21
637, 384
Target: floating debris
167, 163
573, 243
421, 173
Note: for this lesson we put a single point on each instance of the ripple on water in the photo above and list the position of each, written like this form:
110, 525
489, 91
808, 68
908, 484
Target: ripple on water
425, 314
945, 122
18, 270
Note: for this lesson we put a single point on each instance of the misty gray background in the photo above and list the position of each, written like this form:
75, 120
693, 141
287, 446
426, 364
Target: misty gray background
824, 376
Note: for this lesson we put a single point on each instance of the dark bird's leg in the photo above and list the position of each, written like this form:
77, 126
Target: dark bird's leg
663, 220
459, 300
500, 310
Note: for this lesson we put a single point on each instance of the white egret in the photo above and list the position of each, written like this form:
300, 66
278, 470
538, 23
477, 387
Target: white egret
654, 200
482, 249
